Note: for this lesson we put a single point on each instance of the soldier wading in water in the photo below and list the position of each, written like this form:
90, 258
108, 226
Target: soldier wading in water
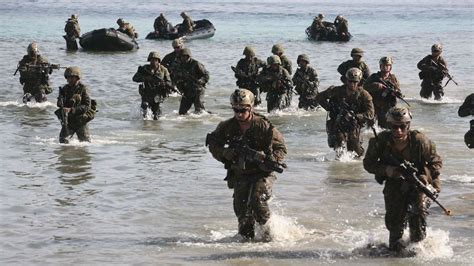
251, 149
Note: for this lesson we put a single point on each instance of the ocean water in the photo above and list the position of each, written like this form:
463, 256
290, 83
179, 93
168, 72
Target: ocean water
149, 192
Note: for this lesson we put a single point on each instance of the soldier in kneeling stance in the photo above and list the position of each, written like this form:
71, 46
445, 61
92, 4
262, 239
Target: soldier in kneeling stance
76, 108
403, 201
248, 175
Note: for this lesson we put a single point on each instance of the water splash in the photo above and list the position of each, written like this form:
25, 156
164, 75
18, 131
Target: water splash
343, 155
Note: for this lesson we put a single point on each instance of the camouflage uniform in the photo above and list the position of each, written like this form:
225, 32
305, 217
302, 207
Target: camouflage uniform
360, 103
402, 201
381, 102
155, 89
161, 24
82, 111
128, 29
343, 67
191, 78
342, 26
34, 78
250, 68
272, 82
306, 85
286, 63
261, 136
187, 25
432, 76
73, 31
466, 109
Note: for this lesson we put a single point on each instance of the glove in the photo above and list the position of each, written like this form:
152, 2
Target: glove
393, 172
229, 154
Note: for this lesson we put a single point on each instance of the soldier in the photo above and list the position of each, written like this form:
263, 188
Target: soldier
187, 26
156, 84
34, 75
383, 86
161, 25
250, 178
276, 82
190, 77
306, 83
246, 72
126, 28
318, 29
349, 107
76, 108
466, 109
170, 60
402, 200
342, 27
73, 31
277, 49
356, 62
433, 70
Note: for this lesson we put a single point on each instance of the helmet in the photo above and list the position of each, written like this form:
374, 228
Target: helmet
321, 16
277, 48
248, 50
120, 21
33, 48
436, 48
357, 51
153, 55
386, 60
354, 74
185, 51
242, 97
74, 16
72, 71
183, 14
398, 114
339, 17
177, 43
303, 57
274, 59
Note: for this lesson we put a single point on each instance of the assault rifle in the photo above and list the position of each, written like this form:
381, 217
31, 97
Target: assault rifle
159, 82
345, 118
410, 174
305, 82
445, 71
46, 68
241, 73
247, 154
390, 90
61, 114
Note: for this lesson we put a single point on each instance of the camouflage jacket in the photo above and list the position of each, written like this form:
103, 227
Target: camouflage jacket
432, 69
192, 74
129, 30
160, 23
360, 102
261, 136
170, 61
75, 97
286, 64
250, 69
421, 151
72, 28
187, 25
342, 26
158, 82
342, 68
377, 94
33, 76
275, 82
306, 81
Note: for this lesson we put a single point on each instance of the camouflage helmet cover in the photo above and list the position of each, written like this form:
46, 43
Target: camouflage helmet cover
436, 47
303, 57
185, 52
274, 59
177, 43
32, 48
72, 71
357, 51
249, 51
320, 15
242, 97
153, 55
74, 16
277, 48
386, 60
398, 114
120, 21
354, 74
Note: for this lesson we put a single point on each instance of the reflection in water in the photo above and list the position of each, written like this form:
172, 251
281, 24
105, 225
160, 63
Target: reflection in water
73, 164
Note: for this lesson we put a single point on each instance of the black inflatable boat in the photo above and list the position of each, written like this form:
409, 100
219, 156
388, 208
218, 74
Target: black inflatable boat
107, 40
330, 35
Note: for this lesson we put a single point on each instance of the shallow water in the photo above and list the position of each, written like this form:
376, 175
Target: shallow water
149, 192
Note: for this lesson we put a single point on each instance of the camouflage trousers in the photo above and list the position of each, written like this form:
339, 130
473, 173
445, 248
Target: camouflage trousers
153, 102
36, 92
192, 96
431, 87
307, 101
82, 133
337, 138
276, 101
250, 203
71, 42
404, 204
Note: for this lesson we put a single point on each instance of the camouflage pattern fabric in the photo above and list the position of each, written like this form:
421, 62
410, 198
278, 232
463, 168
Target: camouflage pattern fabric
306, 85
191, 79
251, 69
431, 76
273, 82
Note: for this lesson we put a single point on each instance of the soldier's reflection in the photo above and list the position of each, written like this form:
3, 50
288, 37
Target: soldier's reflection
73, 165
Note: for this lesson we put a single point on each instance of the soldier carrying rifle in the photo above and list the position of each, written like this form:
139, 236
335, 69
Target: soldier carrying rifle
306, 83
34, 75
155, 84
246, 72
251, 149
